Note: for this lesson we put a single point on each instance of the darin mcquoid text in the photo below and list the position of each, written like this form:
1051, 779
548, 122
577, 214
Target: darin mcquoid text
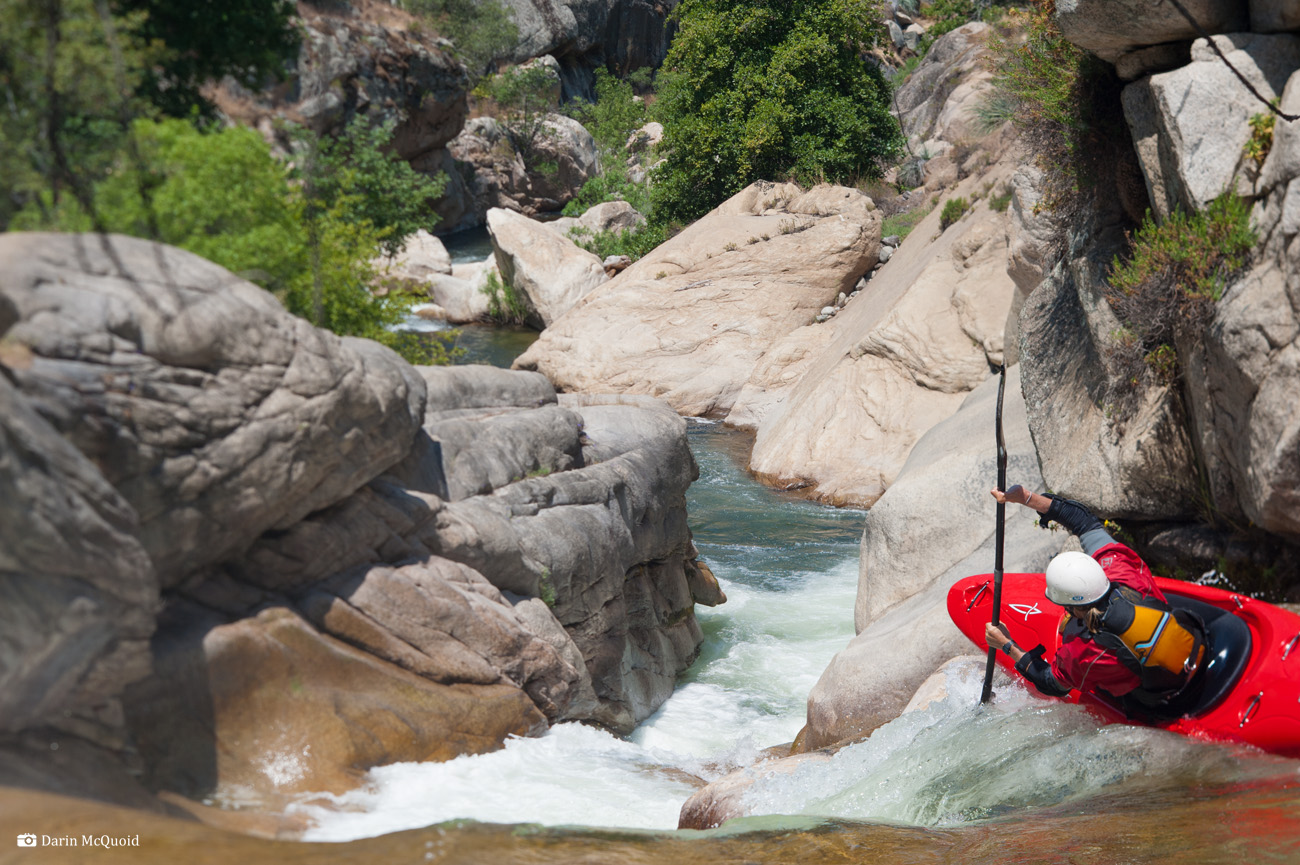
83, 841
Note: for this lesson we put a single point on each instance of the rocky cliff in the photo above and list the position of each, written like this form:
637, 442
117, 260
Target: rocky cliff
245, 558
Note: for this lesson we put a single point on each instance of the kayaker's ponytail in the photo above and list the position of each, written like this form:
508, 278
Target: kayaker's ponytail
1092, 620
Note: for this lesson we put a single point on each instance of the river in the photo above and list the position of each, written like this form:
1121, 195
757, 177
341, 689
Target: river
1023, 780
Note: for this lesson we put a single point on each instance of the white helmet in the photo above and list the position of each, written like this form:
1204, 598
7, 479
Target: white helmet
1076, 579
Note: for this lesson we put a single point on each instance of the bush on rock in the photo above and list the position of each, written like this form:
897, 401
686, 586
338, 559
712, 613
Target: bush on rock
765, 89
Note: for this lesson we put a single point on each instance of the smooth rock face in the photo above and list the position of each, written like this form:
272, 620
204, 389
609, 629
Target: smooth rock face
898, 359
724, 799
550, 273
421, 260
78, 589
214, 412
688, 322
1191, 125
1142, 466
267, 707
1242, 380
607, 216
1109, 28
935, 525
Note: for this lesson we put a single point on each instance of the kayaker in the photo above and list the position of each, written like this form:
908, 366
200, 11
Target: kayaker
1120, 636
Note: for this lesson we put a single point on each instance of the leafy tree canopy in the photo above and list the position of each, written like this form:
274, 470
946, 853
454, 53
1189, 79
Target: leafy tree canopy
768, 89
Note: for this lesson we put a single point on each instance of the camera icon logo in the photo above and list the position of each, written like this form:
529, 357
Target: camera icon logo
27, 840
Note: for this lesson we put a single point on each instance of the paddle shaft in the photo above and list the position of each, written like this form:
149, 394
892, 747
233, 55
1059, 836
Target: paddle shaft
999, 537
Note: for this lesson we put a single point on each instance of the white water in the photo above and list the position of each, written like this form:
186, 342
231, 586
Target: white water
790, 572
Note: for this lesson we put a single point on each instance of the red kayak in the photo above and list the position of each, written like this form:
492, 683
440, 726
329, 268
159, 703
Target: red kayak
1248, 692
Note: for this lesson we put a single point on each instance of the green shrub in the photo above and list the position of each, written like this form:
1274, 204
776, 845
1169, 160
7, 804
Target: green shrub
223, 196
1065, 104
505, 306
1000, 202
614, 116
524, 97
953, 210
1261, 136
1166, 290
383, 189
768, 89
632, 242
903, 223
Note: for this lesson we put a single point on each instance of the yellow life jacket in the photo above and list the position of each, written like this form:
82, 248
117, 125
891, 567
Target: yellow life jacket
1162, 645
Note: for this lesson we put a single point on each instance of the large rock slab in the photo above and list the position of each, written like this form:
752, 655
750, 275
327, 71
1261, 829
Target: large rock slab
839, 418
1242, 379
548, 271
78, 589
583, 504
1190, 125
689, 321
935, 525
255, 711
215, 413
1110, 28
445, 622
1135, 463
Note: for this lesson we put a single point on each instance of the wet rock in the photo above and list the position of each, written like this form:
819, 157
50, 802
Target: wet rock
934, 525
255, 711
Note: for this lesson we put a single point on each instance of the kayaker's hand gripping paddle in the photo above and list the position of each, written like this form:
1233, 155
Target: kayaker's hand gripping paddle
1000, 536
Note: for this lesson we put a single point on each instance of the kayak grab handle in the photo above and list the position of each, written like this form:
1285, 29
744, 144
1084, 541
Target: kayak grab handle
1290, 646
984, 588
1250, 710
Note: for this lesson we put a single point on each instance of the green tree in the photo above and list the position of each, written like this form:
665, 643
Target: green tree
69, 70
767, 89
360, 169
524, 96
222, 195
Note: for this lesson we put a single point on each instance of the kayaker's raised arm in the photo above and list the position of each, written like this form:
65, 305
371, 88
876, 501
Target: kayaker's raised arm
1069, 513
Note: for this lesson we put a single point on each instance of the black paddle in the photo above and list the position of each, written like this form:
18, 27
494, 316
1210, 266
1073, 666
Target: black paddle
1000, 536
